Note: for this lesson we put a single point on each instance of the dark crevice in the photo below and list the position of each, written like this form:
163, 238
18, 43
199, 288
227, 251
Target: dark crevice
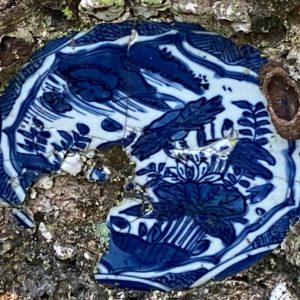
283, 97
5, 43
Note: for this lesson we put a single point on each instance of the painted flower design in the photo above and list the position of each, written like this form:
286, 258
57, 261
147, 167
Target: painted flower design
196, 189
196, 168
212, 206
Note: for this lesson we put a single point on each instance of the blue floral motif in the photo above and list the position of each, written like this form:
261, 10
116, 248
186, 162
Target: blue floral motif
198, 192
246, 157
249, 151
255, 120
212, 206
76, 141
36, 138
196, 188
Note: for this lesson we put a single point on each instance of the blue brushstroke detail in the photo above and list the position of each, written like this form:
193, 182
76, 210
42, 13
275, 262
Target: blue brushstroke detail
259, 193
111, 125
193, 115
56, 102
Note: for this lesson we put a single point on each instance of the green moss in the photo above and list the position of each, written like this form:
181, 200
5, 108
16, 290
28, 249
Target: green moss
108, 3
102, 232
152, 2
68, 13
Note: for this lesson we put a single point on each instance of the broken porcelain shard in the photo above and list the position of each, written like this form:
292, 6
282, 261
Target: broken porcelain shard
220, 186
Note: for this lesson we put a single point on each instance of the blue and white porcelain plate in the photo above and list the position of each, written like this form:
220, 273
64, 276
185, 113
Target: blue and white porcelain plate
220, 186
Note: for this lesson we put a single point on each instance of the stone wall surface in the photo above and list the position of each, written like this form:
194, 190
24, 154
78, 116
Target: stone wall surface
56, 259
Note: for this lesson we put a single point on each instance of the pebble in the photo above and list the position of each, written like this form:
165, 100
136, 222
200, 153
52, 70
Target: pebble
64, 253
45, 232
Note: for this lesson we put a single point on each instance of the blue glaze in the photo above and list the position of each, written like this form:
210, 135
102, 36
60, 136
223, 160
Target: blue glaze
111, 125
220, 183
97, 174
